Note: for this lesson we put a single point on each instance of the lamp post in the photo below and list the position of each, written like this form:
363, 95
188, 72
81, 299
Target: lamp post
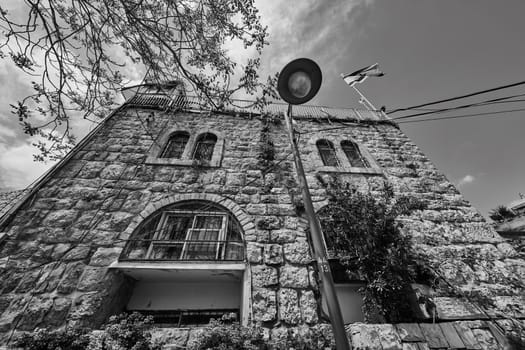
299, 82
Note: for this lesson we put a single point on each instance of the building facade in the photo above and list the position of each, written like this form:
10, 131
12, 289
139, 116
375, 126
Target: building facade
187, 213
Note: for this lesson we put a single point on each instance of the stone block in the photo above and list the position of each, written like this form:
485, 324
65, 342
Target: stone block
293, 277
92, 279
60, 218
105, 256
388, 337
86, 309
364, 336
256, 209
289, 311
56, 316
112, 171
264, 276
308, 306
456, 309
410, 332
297, 252
34, 313
49, 277
434, 335
283, 236
264, 305
254, 253
80, 252
269, 223
273, 254
28, 282
117, 221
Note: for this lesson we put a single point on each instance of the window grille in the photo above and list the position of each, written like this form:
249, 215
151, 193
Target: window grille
185, 318
188, 232
204, 147
327, 153
175, 146
353, 154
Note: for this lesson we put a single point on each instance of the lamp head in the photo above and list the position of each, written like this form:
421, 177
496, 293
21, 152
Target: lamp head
299, 81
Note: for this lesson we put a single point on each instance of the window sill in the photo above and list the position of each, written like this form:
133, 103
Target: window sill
182, 162
350, 170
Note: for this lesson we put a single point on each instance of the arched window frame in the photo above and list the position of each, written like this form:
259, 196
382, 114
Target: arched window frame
177, 143
353, 154
327, 153
317, 165
187, 231
155, 153
177, 272
204, 147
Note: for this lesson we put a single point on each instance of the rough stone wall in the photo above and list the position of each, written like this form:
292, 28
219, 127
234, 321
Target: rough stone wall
54, 266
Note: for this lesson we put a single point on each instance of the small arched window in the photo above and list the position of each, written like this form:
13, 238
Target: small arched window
353, 154
327, 153
175, 146
204, 147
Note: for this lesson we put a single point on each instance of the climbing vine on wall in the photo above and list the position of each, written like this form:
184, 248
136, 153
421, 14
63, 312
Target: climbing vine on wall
266, 150
362, 231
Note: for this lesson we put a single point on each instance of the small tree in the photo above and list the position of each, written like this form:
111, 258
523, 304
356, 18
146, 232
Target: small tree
361, 230
77, 53
501, 213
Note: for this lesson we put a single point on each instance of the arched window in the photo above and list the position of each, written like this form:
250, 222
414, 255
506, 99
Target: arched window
327, 153
204, 147
194, 231
353, 154
175, 146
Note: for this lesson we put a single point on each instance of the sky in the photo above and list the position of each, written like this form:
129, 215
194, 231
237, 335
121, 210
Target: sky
429, 50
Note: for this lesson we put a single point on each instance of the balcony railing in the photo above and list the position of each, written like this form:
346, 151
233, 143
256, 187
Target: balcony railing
186, 250
186, 318
165, 102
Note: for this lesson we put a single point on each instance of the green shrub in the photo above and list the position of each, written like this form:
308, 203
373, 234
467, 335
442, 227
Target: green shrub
362, 231
221, 336
43, 339
126, 331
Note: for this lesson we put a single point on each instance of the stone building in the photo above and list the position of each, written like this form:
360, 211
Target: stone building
187, 213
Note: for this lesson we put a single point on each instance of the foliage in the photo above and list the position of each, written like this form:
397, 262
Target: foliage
126, 331
221, 336
82, 52
267, 151
501, 213
361, 230
43, 339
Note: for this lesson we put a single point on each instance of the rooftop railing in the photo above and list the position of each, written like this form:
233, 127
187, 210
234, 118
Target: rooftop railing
180, 102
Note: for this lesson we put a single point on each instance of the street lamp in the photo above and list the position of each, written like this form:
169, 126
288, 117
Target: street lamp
299, 82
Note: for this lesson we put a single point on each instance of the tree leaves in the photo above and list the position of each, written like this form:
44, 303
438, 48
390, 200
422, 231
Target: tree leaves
361, 230
82, 51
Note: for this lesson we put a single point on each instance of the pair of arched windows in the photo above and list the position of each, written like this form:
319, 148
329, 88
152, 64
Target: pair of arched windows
350, 149
177, 142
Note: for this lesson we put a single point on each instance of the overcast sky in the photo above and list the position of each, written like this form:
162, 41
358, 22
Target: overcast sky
429, 50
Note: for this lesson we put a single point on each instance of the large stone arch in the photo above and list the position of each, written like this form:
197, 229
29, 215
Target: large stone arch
244, 219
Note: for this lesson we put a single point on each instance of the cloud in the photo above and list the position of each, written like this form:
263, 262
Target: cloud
18, 170
467, 179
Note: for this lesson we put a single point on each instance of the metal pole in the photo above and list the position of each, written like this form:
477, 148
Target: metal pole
318, 245
367, 103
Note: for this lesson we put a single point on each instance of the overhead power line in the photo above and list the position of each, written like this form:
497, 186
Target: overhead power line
462, 116
470, 105
458, 97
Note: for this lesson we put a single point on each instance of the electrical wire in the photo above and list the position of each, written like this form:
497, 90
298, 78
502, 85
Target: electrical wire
470, 105
463, 116
458, 97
